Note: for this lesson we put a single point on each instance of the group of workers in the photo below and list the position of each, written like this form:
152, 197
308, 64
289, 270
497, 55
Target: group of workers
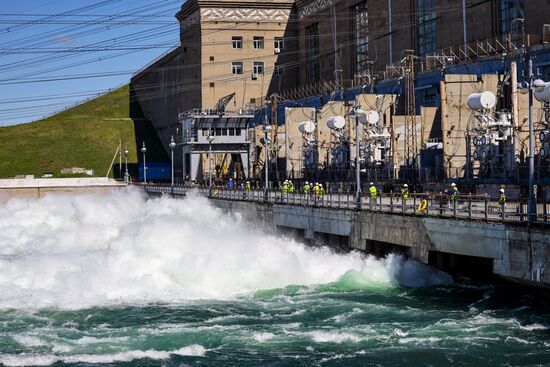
318, 191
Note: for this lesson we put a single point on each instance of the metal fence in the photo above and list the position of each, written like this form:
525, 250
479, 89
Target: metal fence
469, 207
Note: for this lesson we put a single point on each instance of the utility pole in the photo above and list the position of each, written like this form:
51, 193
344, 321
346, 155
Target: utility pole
390, 31
464, 23
411, 148
337, 67
274, 104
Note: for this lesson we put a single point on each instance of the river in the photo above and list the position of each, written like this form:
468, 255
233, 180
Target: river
118, 279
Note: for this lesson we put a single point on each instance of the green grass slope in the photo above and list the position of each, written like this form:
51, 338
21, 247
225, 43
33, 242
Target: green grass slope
84, 136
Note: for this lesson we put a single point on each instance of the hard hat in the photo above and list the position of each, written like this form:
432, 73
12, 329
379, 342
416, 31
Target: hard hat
371, 183
501, 190
453, 184
405, 185
321, 185
307, 183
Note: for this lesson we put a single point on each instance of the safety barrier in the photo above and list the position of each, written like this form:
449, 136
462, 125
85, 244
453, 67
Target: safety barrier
469, 207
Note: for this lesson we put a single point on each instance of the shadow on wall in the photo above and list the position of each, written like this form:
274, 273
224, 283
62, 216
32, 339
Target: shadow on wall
145, 132
289, 77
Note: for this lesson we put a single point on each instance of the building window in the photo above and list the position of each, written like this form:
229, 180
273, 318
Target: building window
205, 132
231, 132
258, 68
361, 32
258, 42
279, 69
238, 131
237, 42
279, 43
510, 10
426, 26
236, 68
313, 71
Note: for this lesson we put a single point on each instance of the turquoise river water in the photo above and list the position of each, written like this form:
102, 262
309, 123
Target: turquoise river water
120, 280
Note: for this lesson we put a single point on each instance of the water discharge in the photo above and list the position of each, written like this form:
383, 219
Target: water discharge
80, 251
119, 279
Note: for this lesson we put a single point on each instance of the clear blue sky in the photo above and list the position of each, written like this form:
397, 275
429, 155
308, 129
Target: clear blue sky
55, 53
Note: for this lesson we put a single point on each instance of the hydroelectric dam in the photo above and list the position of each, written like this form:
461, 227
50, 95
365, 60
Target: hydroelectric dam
472, 237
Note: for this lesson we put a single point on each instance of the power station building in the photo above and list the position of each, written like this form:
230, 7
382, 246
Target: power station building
320, 59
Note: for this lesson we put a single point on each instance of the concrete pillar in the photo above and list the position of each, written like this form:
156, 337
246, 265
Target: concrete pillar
420, 254
195, 163
244, 160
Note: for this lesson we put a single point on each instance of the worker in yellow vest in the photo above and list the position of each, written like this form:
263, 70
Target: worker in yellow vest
502, 200
372, 191
307, 187
373, 194
405, 192
285, 186
453, 195
316, 191
290, 187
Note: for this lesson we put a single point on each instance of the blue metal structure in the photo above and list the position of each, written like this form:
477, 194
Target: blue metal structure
156, 171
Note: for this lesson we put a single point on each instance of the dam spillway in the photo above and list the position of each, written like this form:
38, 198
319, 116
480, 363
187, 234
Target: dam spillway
508, 247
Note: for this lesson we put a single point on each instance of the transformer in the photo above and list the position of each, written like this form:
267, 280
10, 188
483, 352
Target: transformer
310, 152
542, 94
339, 147
492, 137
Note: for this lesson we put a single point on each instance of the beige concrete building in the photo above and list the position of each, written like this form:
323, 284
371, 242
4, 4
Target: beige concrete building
299, 48
235, 47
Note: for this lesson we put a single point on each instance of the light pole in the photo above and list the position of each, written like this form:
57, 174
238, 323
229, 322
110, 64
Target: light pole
119, 158
172, 145
210, 139
531, 208
126, 177
356, 112
143, 150
267, 130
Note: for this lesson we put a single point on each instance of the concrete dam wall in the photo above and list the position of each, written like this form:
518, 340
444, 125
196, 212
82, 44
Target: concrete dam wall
514, 251
39, 187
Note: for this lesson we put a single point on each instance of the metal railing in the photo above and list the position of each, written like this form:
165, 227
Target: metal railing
468, 207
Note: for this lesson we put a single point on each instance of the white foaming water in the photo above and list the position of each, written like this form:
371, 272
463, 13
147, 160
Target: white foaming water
80, 251
49, 359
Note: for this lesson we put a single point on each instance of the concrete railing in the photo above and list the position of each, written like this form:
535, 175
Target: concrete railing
469, 207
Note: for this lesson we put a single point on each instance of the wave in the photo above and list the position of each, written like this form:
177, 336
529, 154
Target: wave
196, 350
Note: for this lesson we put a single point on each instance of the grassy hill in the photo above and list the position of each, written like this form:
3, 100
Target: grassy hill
84, 136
